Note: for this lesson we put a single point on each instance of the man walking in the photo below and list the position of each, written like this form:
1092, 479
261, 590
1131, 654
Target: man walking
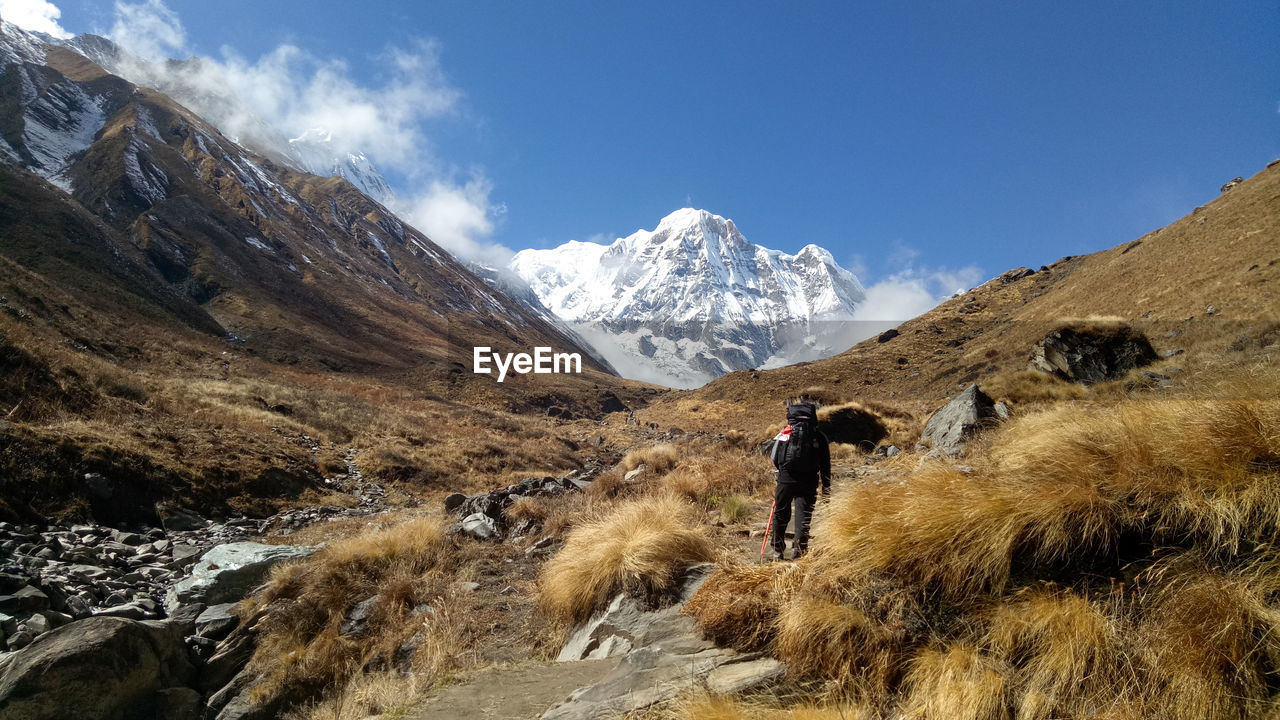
802, 456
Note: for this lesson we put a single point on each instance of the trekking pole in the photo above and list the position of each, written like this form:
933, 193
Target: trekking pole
768, 526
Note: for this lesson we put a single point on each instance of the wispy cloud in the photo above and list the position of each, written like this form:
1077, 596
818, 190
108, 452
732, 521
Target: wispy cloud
914, 289
288, 91
37, 15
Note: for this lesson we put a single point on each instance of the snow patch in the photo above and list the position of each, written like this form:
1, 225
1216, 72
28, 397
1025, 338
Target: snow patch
259, 244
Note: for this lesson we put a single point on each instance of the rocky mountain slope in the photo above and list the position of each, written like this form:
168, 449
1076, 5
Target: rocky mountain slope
194, 84
176, 311
694, 299
290, 264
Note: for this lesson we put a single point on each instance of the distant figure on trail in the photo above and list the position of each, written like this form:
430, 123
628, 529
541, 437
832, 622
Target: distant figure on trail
802, 456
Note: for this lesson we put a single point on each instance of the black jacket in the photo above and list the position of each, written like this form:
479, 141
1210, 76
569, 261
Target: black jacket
809, 474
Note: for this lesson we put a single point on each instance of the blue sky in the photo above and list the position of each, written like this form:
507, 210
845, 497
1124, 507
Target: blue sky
915, 139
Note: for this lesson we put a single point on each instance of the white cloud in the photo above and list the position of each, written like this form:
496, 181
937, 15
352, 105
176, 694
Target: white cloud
288, 91
148, 29
912, 292
36, 15
459, 218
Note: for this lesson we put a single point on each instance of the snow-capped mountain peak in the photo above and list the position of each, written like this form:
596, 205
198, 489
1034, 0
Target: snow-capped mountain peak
694, 298
315, 152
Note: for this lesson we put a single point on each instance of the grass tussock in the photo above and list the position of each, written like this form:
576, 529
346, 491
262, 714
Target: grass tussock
1066, 650
708, 478
958, 682
303, 647
1032, 387
658, 459
641, 546
738, 605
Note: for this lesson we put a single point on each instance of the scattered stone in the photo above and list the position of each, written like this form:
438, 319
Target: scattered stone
1172, 352
635, 473
454, 501
887, 335
480, 527
1002, 409
173, 518
25, 599
1015, 275
739, 677
358, 616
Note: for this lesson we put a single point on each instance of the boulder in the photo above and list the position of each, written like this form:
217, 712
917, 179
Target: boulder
228, 572
480, 526
887, 335
454, 501
97, 668
1092, 353
949, 428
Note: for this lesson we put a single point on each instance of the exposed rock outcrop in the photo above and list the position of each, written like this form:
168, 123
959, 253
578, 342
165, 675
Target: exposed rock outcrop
1092, 352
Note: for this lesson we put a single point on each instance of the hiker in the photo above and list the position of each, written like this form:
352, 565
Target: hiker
802, 456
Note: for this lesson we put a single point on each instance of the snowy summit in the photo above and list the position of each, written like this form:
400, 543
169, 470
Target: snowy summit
693, 299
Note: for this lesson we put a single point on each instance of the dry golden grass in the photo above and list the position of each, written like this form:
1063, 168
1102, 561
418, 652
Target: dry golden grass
707, 707
1031, 387
955, 683
1069, 482
641, 546
1066, 653
706, 478
379, 694
739, 604
1109, 562
1208, 641
657, 458
403, 566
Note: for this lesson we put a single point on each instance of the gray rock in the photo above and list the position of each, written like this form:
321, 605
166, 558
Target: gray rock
637, 472
949, 428
737, 677
24, 599
217, 621
454, 501
37, 625
643, 678
97, 668
19, 640
173, 518
1003, 411
228, 572
179, 703
358, 616
480, 526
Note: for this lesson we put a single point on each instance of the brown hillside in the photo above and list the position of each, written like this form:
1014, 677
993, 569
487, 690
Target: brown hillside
1225, 254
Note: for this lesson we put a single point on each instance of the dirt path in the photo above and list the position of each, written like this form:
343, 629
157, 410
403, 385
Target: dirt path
515, 692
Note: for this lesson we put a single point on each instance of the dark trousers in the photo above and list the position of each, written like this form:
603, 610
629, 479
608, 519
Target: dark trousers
803, 497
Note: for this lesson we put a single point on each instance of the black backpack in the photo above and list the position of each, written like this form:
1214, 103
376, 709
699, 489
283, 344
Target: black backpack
799, 455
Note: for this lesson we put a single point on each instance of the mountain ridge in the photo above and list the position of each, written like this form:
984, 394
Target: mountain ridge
695, 298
